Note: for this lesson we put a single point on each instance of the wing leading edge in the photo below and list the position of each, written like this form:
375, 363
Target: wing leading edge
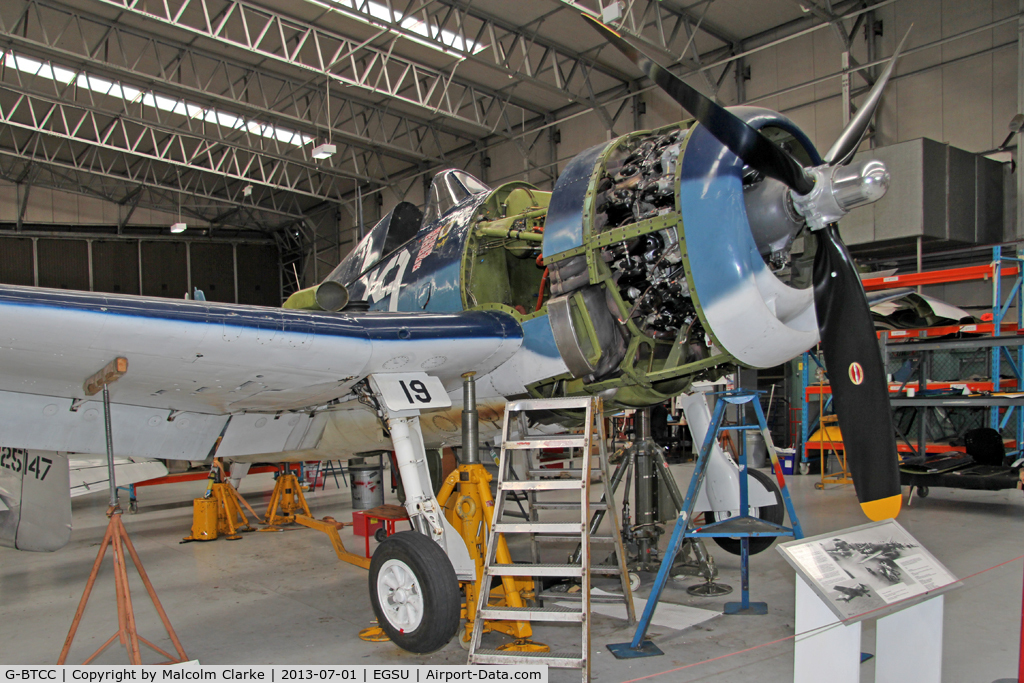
192, 365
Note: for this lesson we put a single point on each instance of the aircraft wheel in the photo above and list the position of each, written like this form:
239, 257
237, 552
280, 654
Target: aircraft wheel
770, 513
922, 491
634, 581
414, 592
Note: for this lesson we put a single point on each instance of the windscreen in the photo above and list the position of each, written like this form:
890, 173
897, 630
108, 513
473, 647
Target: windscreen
449, 189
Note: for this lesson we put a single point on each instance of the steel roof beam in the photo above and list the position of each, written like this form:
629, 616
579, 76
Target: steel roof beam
520, 54
172, 68
55, 117
65, 152
322, 53
656, 23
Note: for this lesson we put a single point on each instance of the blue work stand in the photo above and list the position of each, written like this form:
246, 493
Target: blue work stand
743, 526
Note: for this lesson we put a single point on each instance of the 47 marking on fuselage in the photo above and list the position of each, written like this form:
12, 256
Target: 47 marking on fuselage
376, 289
19, 461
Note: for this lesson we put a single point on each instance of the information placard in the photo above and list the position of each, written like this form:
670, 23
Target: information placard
868, 571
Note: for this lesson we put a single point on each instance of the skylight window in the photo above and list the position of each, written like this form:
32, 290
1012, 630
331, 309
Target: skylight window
148, 98
455, 41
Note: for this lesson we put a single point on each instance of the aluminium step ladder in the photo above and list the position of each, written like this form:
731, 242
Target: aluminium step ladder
564, 493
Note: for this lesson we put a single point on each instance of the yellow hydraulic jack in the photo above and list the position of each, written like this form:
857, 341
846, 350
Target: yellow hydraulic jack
219, 512
287, 499
472, 515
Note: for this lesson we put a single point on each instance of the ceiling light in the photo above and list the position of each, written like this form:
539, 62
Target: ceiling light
178, 227
324, 151
247, 191
612, 12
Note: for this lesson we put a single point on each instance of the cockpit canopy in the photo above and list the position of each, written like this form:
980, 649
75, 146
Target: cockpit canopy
449, 189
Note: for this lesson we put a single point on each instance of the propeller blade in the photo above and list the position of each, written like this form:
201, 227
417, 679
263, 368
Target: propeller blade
849, 140
859, 386
857, 377
747, 143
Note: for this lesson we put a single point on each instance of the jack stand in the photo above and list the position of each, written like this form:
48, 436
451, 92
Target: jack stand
230, 518
473, 500
219, 512
703, 565
471, 517
374, 634
117, 537
639, 536
646, 531
287, 497
745, 606
742, 526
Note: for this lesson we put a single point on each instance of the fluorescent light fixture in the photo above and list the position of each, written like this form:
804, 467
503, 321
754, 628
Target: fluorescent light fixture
324, 151
247, 191
103, 86
178, 227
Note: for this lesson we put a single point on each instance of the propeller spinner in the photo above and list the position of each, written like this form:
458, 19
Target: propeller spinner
822, 195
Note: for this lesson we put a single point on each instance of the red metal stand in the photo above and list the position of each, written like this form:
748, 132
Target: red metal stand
117, 538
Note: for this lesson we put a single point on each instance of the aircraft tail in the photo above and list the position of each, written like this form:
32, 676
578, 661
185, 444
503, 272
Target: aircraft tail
35, 500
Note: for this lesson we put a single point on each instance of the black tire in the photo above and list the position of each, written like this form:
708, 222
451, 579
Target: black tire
770, 513
380, 534
427, 584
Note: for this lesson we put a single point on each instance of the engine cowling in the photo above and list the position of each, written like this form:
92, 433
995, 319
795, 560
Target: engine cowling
668, 259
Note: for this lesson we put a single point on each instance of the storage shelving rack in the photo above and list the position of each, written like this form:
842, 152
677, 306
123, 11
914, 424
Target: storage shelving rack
1002, 337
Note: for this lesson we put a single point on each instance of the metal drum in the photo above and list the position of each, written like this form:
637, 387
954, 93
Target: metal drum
757, 451
367, 491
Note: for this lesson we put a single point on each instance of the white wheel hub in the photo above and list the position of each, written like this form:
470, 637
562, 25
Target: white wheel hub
400, 597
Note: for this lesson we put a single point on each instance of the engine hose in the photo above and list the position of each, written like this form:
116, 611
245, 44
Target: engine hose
570, 283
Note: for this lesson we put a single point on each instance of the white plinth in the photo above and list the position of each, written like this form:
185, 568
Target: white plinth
825, 649
908, 645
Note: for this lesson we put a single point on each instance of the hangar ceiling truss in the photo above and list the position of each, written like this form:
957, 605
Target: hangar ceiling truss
326, 54
175, 68
402, 87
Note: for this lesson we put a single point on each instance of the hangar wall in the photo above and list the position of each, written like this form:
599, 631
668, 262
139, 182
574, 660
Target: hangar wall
53, 250
44, 206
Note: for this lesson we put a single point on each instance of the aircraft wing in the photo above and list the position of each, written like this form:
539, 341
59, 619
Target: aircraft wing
199, 370
89, 475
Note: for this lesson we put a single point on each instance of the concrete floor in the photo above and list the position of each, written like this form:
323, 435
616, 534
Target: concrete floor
283, 598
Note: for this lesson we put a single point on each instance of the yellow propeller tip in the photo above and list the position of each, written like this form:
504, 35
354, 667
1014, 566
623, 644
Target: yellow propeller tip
883, 508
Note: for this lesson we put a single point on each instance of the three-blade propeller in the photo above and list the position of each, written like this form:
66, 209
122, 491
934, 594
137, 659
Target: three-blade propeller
856, 373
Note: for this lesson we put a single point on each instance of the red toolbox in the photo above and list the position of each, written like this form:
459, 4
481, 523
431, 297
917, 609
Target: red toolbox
361, 527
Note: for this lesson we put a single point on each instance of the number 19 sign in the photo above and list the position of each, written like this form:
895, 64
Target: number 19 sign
411, 391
